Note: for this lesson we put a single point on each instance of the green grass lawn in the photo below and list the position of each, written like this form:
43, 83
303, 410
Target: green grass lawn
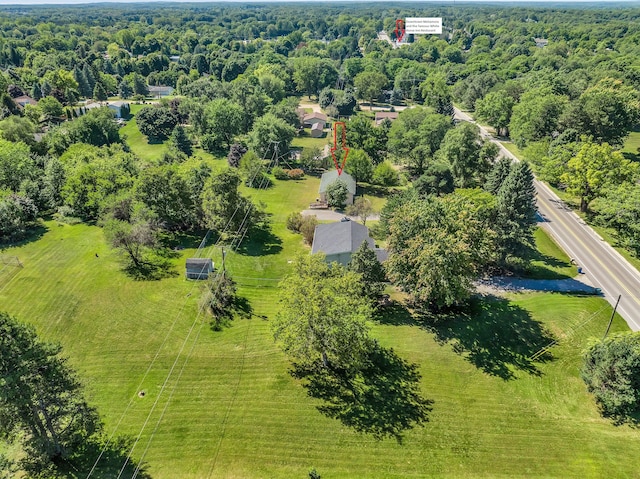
236, 411
138, 143
306, 141
631, 146
549, 261
512, 148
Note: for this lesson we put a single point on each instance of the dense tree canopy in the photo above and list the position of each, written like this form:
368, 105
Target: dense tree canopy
323, 315
612, 373
41, 398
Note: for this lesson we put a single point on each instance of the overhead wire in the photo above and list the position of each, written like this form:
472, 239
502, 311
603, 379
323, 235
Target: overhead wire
141, 382
242, 225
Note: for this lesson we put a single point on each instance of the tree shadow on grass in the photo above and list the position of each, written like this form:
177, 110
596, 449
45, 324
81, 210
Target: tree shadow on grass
542, 271
156, 267
381, 398
240, 308
33, 233
495, 336
395, 314
260, 242
112, 459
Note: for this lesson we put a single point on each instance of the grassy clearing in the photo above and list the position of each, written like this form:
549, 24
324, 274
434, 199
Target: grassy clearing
151, 152
631, 146
236, 412
306, 141
138, 143
549, 261
512, 148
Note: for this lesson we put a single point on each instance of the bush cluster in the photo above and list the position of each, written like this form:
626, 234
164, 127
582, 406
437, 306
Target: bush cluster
283, 174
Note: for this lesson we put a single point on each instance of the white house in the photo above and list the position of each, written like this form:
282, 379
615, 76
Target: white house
333, 175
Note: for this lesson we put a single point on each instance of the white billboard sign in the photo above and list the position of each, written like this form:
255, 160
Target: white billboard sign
423, 26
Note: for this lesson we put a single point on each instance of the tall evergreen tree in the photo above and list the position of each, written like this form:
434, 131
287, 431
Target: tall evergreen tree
180, 140
90, 77
124, 90
497, 175
36, 92
83, 84
516, 212
99, 93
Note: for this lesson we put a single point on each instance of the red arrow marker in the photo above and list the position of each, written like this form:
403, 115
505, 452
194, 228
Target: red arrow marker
342, 146
399, 30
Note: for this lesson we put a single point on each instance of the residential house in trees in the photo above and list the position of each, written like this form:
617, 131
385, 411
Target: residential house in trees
338, 241
333, 175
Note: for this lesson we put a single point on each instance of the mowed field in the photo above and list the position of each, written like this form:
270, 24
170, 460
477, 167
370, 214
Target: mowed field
222, 404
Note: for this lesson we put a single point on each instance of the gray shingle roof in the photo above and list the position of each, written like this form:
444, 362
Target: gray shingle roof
198, 264
331, 176
340, 237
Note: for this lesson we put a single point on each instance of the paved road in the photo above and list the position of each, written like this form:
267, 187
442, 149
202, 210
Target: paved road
605, 268
504, 283
330, 215
384, 37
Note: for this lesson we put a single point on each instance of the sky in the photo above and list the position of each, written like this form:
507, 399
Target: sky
506, 2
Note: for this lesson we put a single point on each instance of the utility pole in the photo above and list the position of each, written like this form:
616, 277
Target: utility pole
612, 315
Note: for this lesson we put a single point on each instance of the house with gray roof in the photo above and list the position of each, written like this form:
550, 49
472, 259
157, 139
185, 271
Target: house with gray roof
315, 117
338, 241
159, 91
120, 108
333, 175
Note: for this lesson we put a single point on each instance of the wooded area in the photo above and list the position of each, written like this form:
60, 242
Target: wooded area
165, 124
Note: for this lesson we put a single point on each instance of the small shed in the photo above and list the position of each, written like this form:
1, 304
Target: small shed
317, 130
199, 268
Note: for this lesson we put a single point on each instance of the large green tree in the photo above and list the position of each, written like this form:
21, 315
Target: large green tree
156, 122
536, 116
611, 371
595, 169
436, 248
416, 136
41, 398
359, 166
223, 121
312, 74
437, 94
620, 209
462, 148
365, 262
16, 165
225, 210
607, 111
270, 135
323, 315
369, 85
495, 108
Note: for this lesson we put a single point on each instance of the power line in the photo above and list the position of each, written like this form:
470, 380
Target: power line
200, 248
249, 209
